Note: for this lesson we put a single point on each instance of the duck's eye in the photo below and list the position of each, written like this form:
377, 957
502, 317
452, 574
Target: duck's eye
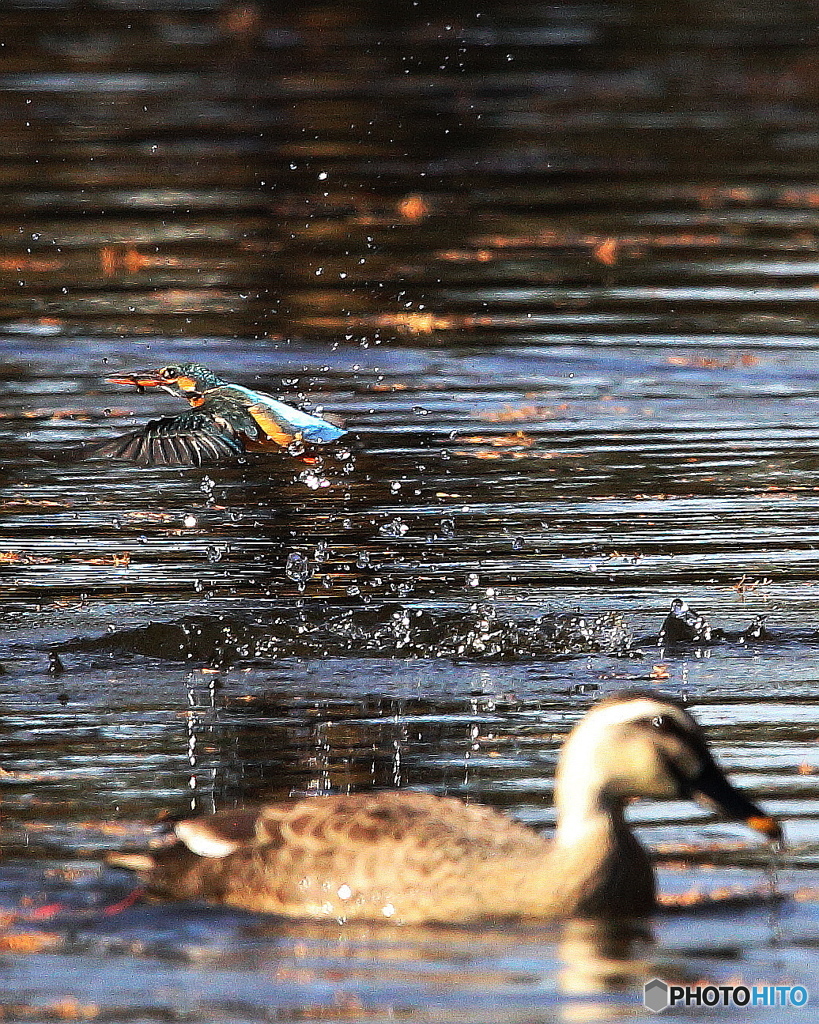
170, 372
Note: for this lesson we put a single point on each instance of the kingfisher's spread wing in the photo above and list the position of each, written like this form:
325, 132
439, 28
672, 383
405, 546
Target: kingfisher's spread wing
282, 423
192, 439
228, 421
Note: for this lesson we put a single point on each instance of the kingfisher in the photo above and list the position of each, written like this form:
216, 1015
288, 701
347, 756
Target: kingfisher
223, 423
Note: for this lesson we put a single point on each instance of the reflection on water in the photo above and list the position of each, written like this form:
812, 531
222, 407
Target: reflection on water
208, 964
230, 965
597, 958
553, 266
461, 176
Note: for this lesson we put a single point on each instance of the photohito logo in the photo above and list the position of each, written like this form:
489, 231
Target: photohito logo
658, 995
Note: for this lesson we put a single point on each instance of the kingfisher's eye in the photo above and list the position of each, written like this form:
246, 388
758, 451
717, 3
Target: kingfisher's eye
661, 722
170, 372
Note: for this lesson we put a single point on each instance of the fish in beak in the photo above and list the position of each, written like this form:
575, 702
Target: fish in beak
142, 379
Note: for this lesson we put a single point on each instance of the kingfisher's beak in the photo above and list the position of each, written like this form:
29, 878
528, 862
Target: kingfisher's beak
142, 379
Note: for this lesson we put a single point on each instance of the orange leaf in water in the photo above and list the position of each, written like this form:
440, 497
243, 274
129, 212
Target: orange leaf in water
31, 503
134, 261
150, 517
14, 557
516, 440
30, 263
108, 261
712, 362
121, 559
414, 323
414, 208
512, 413
69, 1008
27, 942
606, 251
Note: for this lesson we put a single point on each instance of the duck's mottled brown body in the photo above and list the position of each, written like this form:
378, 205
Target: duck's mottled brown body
394, 856
413, 857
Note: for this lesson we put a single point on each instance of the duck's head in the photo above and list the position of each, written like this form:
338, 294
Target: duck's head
638, 744
186, 380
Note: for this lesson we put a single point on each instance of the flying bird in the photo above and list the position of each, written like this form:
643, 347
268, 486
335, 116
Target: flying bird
223, 423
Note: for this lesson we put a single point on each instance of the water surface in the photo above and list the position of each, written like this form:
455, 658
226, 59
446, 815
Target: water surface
554, 267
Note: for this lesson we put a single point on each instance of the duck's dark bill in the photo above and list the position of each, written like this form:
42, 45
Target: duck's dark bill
714, 790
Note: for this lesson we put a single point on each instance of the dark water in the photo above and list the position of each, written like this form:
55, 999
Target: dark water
555, 267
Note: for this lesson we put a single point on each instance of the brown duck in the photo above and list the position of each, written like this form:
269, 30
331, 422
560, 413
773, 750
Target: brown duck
414, 857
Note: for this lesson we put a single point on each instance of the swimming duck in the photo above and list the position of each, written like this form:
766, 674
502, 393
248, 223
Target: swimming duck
225, 421
414, 857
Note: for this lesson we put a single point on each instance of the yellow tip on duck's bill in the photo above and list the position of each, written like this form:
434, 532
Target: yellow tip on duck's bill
769, 827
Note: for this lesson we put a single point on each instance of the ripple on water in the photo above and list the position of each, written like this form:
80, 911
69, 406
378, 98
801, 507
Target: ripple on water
579, 367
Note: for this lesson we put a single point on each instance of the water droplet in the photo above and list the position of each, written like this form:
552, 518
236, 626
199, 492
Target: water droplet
297, 568
313, 480
394, 528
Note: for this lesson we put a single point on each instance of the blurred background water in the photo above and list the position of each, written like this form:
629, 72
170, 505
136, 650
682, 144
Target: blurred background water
556, 268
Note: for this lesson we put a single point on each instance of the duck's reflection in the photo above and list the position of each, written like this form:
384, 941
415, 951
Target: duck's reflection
577, 971
601, 958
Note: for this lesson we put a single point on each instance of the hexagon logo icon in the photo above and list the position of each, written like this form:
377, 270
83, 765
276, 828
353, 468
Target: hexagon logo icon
655, 995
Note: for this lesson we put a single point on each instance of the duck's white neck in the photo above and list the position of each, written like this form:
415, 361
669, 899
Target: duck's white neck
599, 863
585, 813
